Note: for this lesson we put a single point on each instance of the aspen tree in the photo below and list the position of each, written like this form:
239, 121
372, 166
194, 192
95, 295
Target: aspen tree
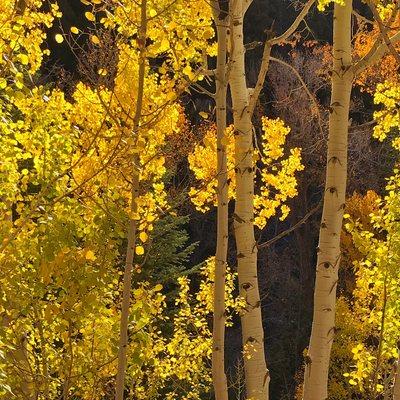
265, 206
342, 75
256, 372
323, 328
130, 254
218, 349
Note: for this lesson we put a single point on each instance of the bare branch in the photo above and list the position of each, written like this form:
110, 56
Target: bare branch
292, 28
267, 53
261, 77
304, 85
291, 229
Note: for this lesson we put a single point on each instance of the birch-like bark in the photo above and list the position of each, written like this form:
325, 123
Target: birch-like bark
130, 253
218, 349
323, 327
256, 372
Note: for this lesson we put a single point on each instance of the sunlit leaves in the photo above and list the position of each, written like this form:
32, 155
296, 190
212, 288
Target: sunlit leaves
95, 39
139, 250
59, 38
65, 193
388, 118
90, 256
376, 291
276, 171
21, 36
90, 16
179, 32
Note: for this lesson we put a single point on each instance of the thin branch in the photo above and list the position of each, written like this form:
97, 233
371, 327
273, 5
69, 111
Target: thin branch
291, 229
374, 56
355, 128
267, 53
292, 28
383, 30
304, 85
261, 76
362, 18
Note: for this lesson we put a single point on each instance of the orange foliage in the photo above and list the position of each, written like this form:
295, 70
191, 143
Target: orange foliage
387, 67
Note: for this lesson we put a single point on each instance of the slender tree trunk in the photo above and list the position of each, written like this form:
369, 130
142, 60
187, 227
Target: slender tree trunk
323, 327
218, 350
126, 295
130, 253
19, 355
256, 372
396, 382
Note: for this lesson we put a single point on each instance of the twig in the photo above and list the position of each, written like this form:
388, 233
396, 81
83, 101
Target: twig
291, 229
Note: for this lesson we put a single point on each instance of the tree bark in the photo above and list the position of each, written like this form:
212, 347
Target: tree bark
256, 372
323, 327
130, 253
396, 382
218, 349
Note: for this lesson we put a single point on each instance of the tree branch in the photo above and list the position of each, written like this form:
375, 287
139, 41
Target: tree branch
291, 229
374, 56
303, 84
383, 30
267, 53
292, 28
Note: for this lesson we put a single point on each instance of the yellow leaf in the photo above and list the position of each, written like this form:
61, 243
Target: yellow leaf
24, 59
208, 33
19, 84
59, 38
158, 287
90, 16
90, 256
171, 96
102, 72
203, 114
150, 218
188, 71
143, 236
95, 39
139, 250
3, 83
74, 30
152, 13
164, 45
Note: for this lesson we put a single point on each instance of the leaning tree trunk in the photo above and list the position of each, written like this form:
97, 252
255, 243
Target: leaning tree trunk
218, 349
127, 280
323, 327
256, 372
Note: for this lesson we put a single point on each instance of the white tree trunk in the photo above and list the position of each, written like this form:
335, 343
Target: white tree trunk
256, 372
323, 327
218, 350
